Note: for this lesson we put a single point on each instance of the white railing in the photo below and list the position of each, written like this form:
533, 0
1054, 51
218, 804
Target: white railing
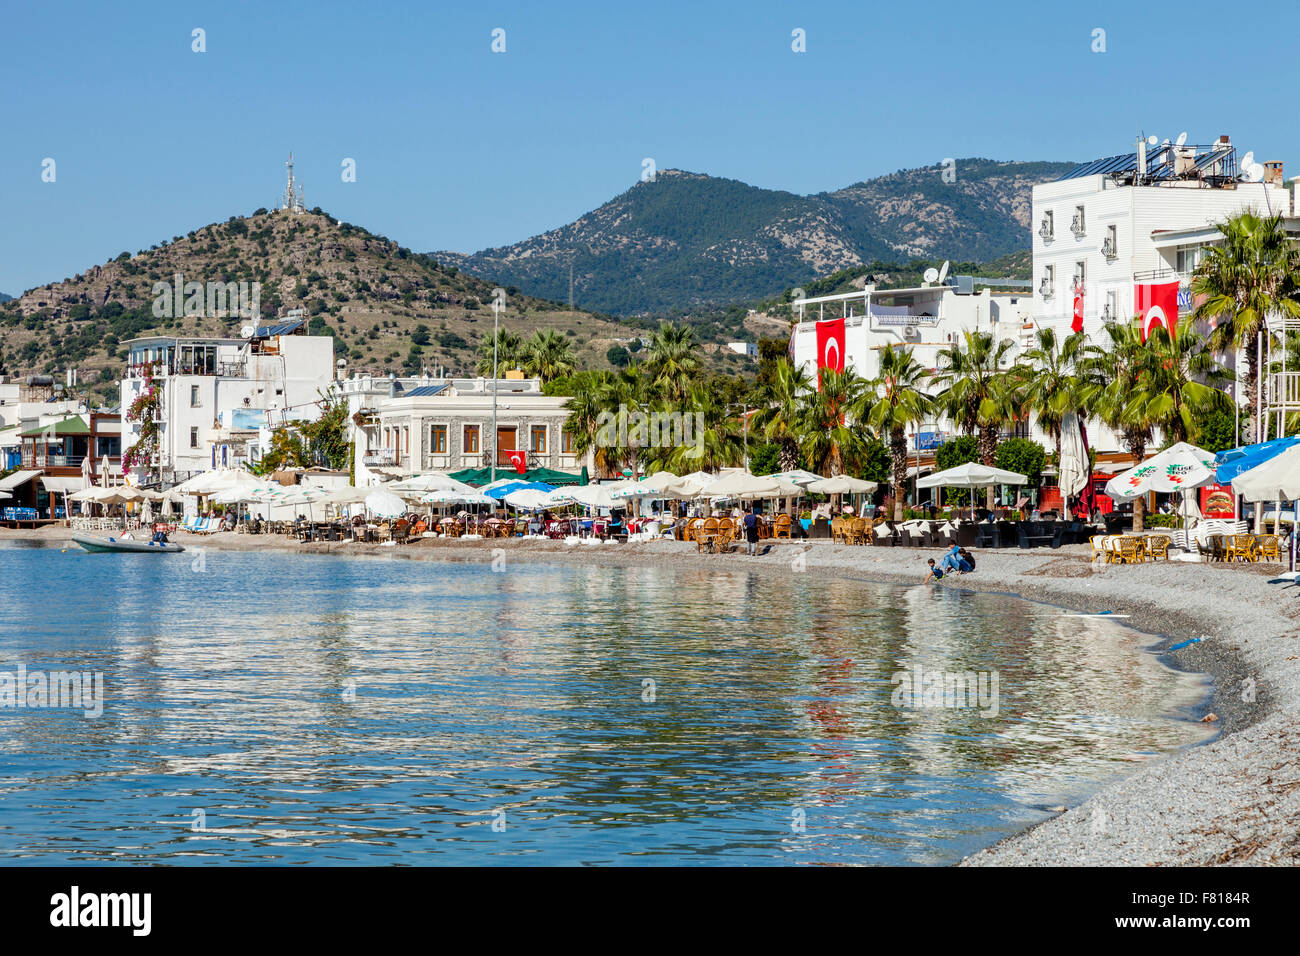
1283, 390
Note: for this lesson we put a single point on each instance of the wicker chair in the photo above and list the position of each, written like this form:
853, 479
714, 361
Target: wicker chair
1266, 548
1158, 546
1128, 550
693, 528
1241, 547
781, 526
838, 531
1098, 542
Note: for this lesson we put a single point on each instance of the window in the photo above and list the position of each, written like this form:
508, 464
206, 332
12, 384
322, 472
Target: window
471, 439
1112, 305
1047, 287
194, 438
194, 396
437, 439
1079, 226
1189, 259
1080, 275
1048, 229
566, 443
1110, 247
537, 442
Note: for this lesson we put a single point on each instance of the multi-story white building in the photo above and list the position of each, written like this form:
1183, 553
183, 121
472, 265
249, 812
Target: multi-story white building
407, 427
927, 319
219, 397
1144, 216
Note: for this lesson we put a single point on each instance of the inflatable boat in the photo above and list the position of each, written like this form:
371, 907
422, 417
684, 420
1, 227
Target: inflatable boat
98, 545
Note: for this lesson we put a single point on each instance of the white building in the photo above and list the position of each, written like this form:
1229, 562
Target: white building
406, 427
748, 349
1140, 217
220, 397
927, 319
1144, 216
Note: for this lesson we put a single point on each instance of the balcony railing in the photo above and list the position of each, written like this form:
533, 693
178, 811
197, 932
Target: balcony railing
1282, 390
379, 456
1165, 274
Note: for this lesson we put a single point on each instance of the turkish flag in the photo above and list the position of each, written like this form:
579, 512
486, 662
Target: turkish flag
1156, 304
520, 460
1076, 325
830, 347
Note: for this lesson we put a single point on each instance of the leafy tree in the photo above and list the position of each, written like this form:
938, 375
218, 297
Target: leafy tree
618, 356
1246, 277
959, 450
1023, 456
896, 400
978, 394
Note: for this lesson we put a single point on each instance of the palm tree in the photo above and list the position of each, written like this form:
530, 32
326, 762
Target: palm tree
591, 394
548, 355
510, 352
1049, 387
1248, 276
978, 393
830, 444
896, 401
1180, 382
777, 417
672, 362
714, 440
1112, 371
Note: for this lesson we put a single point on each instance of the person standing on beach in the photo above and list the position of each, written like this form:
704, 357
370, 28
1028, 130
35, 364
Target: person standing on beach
751, 533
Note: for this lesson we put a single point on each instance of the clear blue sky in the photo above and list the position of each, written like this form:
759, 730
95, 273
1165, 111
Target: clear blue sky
460, 148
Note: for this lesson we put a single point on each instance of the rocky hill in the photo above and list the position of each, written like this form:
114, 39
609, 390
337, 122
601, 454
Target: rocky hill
686, 240
389, 308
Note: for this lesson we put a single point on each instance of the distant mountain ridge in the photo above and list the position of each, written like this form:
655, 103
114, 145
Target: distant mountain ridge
687, 239
5, 298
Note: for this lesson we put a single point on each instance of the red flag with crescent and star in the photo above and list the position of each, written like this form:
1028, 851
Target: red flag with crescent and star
520, 460
1076, 324
1155, 304
830, 347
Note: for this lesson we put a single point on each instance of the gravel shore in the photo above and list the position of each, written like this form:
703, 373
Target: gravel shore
1235, 800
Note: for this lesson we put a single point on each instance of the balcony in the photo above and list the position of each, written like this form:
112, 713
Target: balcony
379, 457
1282, 392
1164, 275
1046, 232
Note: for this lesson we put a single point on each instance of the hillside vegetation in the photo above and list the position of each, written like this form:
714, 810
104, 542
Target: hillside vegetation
686, 240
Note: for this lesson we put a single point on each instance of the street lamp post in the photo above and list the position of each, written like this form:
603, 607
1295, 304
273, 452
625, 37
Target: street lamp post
496, 338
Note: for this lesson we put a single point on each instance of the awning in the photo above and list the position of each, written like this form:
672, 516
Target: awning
17, 478
63, 486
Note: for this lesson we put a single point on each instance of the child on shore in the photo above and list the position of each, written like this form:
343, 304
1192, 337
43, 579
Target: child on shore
936, 573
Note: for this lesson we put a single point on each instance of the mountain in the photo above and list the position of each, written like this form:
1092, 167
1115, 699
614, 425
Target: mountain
5, 298
388, 308
686, 239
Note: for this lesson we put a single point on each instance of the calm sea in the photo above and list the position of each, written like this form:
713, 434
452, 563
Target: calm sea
267, 708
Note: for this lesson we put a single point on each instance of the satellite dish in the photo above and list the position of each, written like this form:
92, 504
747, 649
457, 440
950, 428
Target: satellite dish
931, 274
943, 271
1254, 173
1248, 160
247, 332
1182, 138
1153, 140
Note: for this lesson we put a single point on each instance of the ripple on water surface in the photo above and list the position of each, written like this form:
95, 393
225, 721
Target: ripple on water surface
306, 709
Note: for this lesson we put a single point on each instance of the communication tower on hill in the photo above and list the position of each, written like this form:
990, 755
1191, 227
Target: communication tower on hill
292, 200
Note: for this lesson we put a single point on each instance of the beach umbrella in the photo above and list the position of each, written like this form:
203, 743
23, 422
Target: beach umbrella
529, 499
471, 497
4, 495
662, 484
1233, 462
744, 486
841, 485
385, 504
1177, 468
433, 481
1072, 472
590, 496
1277, 479
798, 476
583, 477
971, 475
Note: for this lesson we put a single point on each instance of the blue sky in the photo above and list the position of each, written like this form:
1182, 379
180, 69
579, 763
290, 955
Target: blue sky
461, 148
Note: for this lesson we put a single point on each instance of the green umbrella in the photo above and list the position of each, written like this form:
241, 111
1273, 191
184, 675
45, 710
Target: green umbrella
583, 477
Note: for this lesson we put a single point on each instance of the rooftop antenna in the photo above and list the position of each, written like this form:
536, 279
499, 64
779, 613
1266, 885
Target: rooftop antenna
943, 271
1182, 138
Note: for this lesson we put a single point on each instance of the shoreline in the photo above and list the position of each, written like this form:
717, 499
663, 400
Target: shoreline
1232, 799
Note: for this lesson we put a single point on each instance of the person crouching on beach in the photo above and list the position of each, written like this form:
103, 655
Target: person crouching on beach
954, 561
936, 574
